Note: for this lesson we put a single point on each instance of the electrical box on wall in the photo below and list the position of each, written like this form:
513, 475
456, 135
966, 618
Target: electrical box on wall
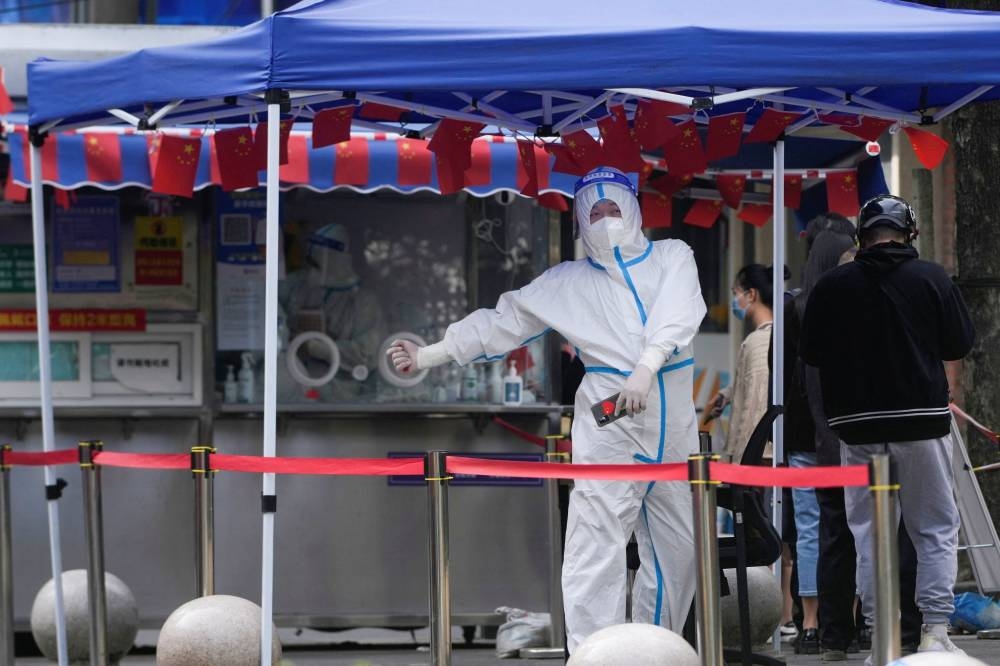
158, 367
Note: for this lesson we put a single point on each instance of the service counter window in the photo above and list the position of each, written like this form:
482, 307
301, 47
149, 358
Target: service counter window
358, 270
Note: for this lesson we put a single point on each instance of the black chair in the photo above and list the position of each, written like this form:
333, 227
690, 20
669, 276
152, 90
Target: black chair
754, 543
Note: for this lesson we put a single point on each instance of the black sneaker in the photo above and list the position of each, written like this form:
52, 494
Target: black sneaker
808, 642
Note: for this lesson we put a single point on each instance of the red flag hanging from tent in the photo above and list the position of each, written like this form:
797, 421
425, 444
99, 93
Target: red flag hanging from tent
703, 213
929, 147
63, 198
793, 191
234, 150
297, 169
376, 111
671, 183
621, 150
176, 165
725, 133
867, 128
6, 105
331, 126
451, 177
644, 173
478, 172
102, 153
350, 166
586, 153
684, 153
842, 192
414, 162
452, 141
770, 125
153, 152
755, 214
650, 123
731, 186
553, 200
260, 143
564, 161
657, 210
527, 169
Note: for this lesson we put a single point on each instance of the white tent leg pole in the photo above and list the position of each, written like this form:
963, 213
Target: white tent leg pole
270, 379
45, 384
778, 363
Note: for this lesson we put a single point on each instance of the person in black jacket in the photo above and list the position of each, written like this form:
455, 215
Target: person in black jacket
879, 329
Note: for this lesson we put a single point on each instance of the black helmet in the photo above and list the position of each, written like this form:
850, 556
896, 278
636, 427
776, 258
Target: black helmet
886, 210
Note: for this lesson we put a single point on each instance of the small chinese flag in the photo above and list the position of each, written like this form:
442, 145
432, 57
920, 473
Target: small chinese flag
671, 183
929, 147
260, 143
731, 188
331, 126
869, 129
842, 192
527, 169
414, 162
451, 177
755, 214
176, 165
793, 191
103, 154
650, 124
12, 191
297, 169
6, 105
770, 125
584, 150
554, 201
350, 166
725, 133
621, 150
703, 213
234, 153
684, 153
375, 111
657, 209
644, 173
452, 141
152, 152
838, 119
478, 172
564, 161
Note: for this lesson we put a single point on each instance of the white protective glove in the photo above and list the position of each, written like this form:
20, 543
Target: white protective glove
633, 395
409, 357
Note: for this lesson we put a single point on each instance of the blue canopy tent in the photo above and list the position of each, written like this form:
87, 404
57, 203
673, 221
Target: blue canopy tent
532, 69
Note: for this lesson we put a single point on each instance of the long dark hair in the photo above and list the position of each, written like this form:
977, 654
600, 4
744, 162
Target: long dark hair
827, 248
761, 278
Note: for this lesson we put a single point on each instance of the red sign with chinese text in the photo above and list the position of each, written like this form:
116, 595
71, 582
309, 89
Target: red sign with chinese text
74, 320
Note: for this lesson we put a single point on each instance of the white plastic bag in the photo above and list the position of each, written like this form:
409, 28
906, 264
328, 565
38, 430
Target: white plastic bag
522, 629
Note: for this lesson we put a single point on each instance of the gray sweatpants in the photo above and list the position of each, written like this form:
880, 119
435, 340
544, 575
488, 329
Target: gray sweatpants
927, 504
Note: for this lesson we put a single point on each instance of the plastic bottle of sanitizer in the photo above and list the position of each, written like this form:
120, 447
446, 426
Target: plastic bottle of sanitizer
244, 377
512, 386
229, 386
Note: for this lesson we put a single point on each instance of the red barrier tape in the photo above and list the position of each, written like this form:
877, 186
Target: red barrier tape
562, 445
335, 466
143, 460
58, 457
790, 477
991, 435
541, 470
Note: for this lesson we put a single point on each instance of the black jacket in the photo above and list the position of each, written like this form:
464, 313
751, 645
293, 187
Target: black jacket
878, 329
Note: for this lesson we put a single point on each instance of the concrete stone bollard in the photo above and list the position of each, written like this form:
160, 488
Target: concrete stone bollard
937, 659
634, 645
219, 630
764, 593
123, 618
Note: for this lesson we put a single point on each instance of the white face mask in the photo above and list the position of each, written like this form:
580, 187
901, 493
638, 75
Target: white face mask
606, 233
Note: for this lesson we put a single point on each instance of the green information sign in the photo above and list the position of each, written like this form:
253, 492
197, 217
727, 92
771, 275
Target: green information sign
17, 269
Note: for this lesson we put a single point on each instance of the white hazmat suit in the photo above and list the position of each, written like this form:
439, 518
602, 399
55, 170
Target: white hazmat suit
632, 307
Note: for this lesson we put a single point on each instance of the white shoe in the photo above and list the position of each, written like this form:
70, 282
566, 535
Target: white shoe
870, 660
934, 638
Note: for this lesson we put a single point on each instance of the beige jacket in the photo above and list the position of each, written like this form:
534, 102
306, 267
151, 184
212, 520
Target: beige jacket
748, 392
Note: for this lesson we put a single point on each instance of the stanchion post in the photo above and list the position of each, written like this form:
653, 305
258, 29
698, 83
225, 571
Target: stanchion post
557, 634
884, 486
706, 549
6, 565
436, 475
94, 529
204, 518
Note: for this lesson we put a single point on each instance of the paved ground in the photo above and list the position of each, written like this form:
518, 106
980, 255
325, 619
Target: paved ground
383, 653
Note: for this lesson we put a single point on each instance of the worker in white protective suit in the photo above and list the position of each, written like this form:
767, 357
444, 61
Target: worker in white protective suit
327, 296
631, 308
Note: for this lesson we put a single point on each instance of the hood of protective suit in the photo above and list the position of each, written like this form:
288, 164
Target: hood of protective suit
604, 236
330, 258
